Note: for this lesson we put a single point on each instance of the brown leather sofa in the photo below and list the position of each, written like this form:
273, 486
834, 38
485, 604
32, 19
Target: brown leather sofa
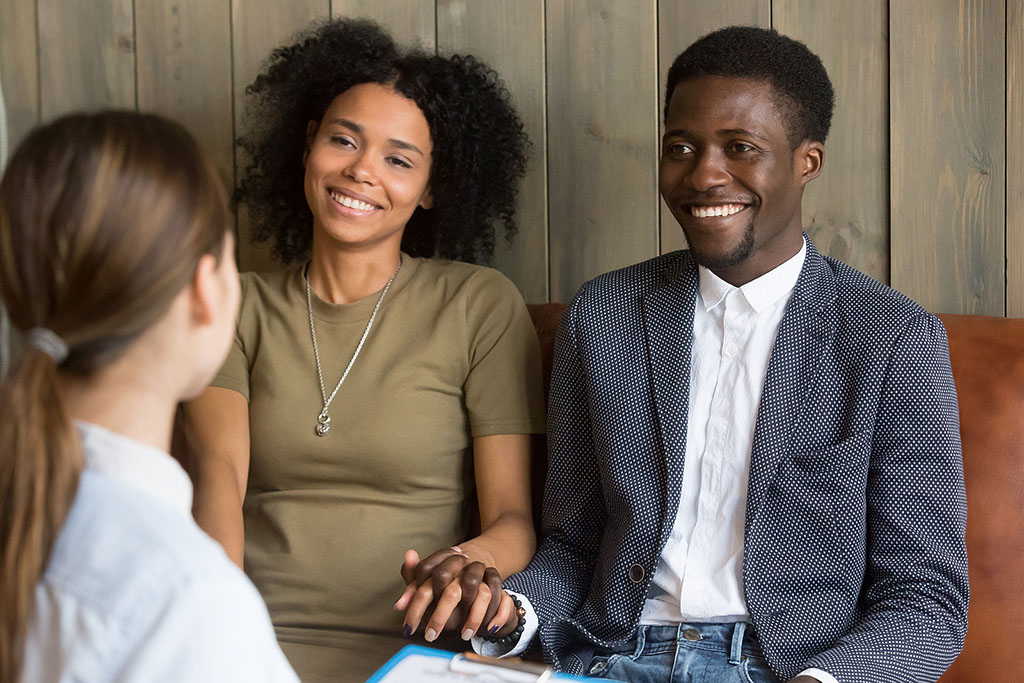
988, 366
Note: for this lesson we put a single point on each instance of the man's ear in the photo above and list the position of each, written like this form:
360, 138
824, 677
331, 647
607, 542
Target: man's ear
203, 299
427, 200
810, 159
311, 129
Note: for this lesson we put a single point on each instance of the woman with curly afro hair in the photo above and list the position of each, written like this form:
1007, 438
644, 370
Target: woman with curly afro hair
378, 394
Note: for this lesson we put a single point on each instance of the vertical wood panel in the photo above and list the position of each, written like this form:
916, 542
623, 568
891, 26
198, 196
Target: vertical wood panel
1015, 158
509, 36
602, 137
680, 23
846, 209
183, 58
86, 55
947, 131
19, 68
410, 22
257, 28
19, 77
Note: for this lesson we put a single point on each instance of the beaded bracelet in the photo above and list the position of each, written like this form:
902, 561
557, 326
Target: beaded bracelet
513, 637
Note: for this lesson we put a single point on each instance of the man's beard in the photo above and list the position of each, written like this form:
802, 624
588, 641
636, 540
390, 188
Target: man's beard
736, 256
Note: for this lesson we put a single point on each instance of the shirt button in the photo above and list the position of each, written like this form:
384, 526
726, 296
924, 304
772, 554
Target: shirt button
731, 350
636, 573
691, 634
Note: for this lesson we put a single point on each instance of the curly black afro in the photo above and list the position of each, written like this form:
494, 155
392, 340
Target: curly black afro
793, 71
479, 146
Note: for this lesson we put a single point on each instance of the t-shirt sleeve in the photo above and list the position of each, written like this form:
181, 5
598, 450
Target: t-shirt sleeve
234, 374
504, 390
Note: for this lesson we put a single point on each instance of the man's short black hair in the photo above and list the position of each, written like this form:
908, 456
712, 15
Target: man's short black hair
795, 73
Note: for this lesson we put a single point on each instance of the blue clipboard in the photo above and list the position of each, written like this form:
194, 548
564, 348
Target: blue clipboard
419, 664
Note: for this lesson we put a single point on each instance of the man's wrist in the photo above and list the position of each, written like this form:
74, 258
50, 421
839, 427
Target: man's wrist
490, 649
512, 629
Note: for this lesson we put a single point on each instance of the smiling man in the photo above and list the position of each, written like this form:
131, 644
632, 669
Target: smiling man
754, 468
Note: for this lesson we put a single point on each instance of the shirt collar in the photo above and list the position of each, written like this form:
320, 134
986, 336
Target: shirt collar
762, 292
144, 468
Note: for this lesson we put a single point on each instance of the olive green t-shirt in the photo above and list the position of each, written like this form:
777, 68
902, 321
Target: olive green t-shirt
451, 355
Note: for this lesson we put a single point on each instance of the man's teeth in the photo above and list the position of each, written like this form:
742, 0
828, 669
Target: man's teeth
351, 203
721, 210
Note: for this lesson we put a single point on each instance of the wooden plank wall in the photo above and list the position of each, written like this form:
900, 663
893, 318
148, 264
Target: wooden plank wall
947, 153
1014, 158
924, 175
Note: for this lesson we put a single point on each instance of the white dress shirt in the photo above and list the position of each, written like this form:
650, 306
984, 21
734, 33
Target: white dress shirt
135, 591
700, 574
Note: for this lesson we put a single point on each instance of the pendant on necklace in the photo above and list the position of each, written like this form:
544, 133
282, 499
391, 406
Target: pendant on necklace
323, 424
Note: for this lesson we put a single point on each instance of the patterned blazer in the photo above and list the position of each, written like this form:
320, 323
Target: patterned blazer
854, 555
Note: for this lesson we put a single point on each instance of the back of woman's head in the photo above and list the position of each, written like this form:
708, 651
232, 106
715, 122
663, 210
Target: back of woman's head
479, 145
103, 219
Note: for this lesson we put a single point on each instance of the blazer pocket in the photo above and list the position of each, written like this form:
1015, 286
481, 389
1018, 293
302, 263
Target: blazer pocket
837, 460
821, 491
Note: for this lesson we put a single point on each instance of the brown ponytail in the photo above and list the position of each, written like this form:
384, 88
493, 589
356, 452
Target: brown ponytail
103, 218
37, 489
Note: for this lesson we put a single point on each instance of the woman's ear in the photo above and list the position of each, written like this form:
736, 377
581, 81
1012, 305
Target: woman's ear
427, 200
204, 291
311, 129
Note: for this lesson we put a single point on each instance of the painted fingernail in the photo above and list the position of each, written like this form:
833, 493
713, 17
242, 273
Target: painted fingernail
407, 630
467, 634
430, 635
395, 606
491, 631
456, 548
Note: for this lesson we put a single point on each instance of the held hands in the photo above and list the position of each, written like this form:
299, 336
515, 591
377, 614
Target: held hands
452, 592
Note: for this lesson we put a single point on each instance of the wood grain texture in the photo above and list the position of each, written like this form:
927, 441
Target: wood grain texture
183, 63
602, 137
19, 77
947, 75
86, 55
257, 28
846, 209
509, 36
19, 69
680, 23
1015, 158
410, 22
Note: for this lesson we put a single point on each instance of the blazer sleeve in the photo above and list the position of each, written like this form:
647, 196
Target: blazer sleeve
916, 593
557, 580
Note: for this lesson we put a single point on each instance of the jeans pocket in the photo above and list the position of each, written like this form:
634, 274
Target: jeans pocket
756, 670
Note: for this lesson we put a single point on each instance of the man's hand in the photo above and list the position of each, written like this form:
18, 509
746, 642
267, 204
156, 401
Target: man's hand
453, 592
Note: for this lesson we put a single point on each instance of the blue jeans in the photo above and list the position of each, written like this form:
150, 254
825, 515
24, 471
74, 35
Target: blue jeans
687, 653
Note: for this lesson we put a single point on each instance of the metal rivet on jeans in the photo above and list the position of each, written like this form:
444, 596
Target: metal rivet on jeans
598, 667
691, 634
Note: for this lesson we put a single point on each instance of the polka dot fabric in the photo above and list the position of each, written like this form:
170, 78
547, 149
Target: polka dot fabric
854, 554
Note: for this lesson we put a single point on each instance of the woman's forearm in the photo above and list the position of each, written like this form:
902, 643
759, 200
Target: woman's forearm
217, 508
507, 544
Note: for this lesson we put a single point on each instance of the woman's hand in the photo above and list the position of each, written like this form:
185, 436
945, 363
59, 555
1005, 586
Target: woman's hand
453, 592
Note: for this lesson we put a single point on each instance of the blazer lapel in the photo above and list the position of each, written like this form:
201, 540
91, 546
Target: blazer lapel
668, 327
804, 335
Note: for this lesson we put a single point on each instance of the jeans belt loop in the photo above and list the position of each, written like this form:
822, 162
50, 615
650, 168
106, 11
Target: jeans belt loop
736, 648
641, 640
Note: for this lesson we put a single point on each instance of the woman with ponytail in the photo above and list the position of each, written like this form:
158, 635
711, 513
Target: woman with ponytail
116, 264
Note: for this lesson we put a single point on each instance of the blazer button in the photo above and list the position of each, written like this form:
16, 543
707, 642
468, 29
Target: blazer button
636, 573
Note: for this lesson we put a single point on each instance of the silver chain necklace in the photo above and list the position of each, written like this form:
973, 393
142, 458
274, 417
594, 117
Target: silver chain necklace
323, 421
